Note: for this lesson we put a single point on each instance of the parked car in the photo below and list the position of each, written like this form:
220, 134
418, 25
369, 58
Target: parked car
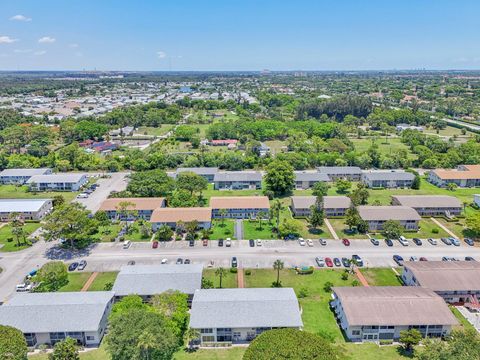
337, 262
413, 258
155, 244
251, 242
164, 261
329, 262
469, 258
320, 261
423, 258
131, 262
358, 260
234, 262
82, 265
259, 242
346, 242
211, 263
82, 196
186, 261
179, 261
375, 241
446, 241
191, 243
323, 242
389, 242
398, 259
73, 266
127, 244
345, 262
432, 241
454, 241
417, 241
23, 288
309, 242
220, 242
301, 241
205, 242
228, 242
403, 241
469, 241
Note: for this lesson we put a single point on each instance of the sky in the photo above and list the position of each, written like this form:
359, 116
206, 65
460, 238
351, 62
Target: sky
224, 35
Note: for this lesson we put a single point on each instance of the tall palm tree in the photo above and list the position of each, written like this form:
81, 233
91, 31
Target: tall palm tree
16, 224
260, 216
124, 210
221, 272
146, 343
223, 214
277, 208
278, 265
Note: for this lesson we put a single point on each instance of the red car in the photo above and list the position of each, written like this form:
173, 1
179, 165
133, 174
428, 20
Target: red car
346, 242
328, 262
423, 259
205, 242
155, 244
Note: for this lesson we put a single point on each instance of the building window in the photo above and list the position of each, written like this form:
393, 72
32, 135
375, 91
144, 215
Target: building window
355, 332
206, 331
208, 338
31, 339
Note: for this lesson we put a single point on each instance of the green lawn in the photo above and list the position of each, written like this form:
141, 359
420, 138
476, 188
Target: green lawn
308, 232
76, 280
373, 352
222, 232
8, 242
381, 277
228, 281
342, 230
102, 279
207, 194
234, 353
135, 233
391, 146
155, 131
425, 231
252, 230
21, 192
107, 233
94, 354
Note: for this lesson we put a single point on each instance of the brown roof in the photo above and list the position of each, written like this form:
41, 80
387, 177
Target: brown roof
457, 174
393, 305
446, 275
139, 203
428, 201
239, 202
384, 213
171, 215
329, 202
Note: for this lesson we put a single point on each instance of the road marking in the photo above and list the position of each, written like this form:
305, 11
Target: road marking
331, 229
447, 230
89, 282
395, 271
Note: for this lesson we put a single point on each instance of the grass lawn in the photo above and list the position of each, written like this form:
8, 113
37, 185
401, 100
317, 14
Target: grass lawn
275, 145
155, 131
6, 234
102, 279
222, 232
76, 280
373, 352
448, 131
21, 192
135, 233
342, 230
234, 353
380, 277
207, 194
252, 230
426, 227
308, 232
107, 233
458, 228
391, 146
464, 324
228, 281
96, 354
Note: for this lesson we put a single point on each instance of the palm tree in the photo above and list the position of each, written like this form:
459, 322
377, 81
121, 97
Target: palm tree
278, 265
16, 224
146, 343
260, 216
223, 214
277, 208
221, 272
191, 335
124, 210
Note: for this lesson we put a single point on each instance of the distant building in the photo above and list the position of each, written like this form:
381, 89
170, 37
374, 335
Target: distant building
48, 318
223, 142
58, 182
332, 205
124, 131
352, 173
171, 217
307, 179
402, 127
21, 176
206, 172
463, 176
387, 179
28, 209
238, 180
430, 205
239, 207
240, 315
142, 206
375, 313
376, 216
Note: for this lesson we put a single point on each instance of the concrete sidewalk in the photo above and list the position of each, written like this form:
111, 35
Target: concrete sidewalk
447, 230
331, 229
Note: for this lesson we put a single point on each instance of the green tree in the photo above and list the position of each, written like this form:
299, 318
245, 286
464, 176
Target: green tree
276, 210
316, 217
58, 200
146, 343
279, 177
183, 198
392, 229
460, 345
16, 223
223, 214
125, 211
410, 338
327, 287
164, 233
452, 186
126, 304
343, 186
191, 182
151, 183
290, 227
360, 195
278, 266
207, 283
65, 350
352, 218
51, 276
221, 272
416, 182
320, 188
172, 305
260, 216
190, 336
13, 345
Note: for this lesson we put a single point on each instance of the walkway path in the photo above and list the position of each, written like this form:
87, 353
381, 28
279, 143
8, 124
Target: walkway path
238, 229
331, 229
360, 276
395, 271
240, 278
447, 230
89, 282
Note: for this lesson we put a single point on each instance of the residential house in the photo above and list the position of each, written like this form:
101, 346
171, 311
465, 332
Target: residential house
28, 209
171, 216
332, 205
240, 315
48, 318
352, 173
307, 179
21, 176
402, 127
239, 207
57, 182
430, 205
387, 179
141, 208
238, 180
463, 176
223, 142
206, 172
124, 131
148, 280
375, 313
454, 281
376, 216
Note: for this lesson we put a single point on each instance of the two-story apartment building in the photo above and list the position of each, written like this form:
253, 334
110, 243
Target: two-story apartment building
387, 179
352, 173
376, 216
238, 180
332, 205
28, 209
208, 173
57, 182
240, 315
138, 208
172, 216
430, 205
239, 207
371, 314
462, 176
21, 176
307, 179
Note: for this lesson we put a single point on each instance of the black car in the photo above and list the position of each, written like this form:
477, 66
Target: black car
234, 262
398, 259
251, 242
187, 261
389, 242
345, 262
446, 241
337, 262
358, 260
131, 262
469, 241
72, 266
375, 241
191, 243
179, 261
220, 242
417, 241
469, 258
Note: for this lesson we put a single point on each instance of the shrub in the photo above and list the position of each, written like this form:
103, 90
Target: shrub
386, 342
233, 270
248, 272
435, 231
355, 283
276, 284
345, 276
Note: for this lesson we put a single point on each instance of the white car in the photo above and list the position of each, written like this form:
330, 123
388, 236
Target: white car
228, 242
127, 244
323, 242
211, 263
432, 241
164, 261
309, 242
301, 241
82, 196
259, 242
403, 241
320, 261
23, 288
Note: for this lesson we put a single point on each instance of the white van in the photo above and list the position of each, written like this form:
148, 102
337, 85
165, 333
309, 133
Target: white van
127, 244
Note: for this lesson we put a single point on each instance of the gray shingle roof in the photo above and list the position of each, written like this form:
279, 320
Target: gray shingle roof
21, 205
384, 213
329, 202
199, 170
245, 308
340, 170
53, 178
55, 312
23, 172
388, 175
428, 201
311, 176
149, 280
238, 176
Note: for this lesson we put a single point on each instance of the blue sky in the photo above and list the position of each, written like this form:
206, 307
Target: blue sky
239, 35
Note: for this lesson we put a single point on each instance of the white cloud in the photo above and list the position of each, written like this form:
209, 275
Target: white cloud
161, 54
39, 53
6, 39
20, 18
46, 40
73, 45
22, 51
